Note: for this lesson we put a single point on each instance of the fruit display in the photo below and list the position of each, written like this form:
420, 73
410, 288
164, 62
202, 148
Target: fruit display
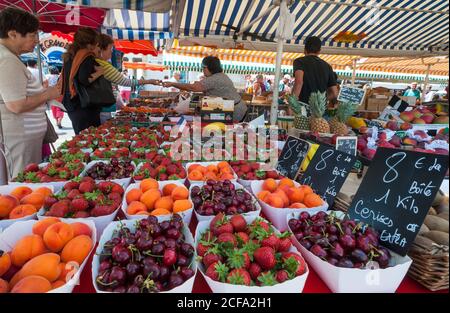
159, 167
21, 203
210, 171
46, 255
112, 143
222, 197
55, 171
108, 153
237, 251
114, 169
150, 197
252, 171
145, 257
84, 198
342, 243
423, 116
317, 104
71, 155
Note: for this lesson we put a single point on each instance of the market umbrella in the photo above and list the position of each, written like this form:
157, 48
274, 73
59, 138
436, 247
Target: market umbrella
55, 16
136, 46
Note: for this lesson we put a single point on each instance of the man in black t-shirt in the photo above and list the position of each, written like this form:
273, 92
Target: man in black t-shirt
313, 74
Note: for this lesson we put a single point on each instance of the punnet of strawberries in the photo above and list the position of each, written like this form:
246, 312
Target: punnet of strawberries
342, 243
153, 258
71, 155
112, 143
160, 167
234, 252
55, 171
84, 198
252, 171
108, 153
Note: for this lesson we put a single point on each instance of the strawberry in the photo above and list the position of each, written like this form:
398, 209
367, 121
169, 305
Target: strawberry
220, 225
81, 214
182, 174
239, 276
227, 237
271, 241
255, 270
282, 276
33, 167
208, 236
163, 176
86, 187
87, 179
284, 245
255, 166
245, 168
262, 224
49, 201
105, 186
293, 263
241, 236
239, 223
73, 193
266, 279
79, 204
265, 256
117, 189
217, 271
115, 196
202, 249
272, 174
166, 161
59, 209
172, 169
102, 210
210, 258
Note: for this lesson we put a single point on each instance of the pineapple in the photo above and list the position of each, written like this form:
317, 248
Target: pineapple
318, 103
301, 121
338, 124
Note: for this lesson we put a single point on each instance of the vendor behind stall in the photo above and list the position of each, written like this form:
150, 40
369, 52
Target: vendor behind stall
215, 84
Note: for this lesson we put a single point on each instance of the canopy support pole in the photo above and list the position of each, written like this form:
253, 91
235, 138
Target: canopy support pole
176, 22
246, 28
276, 90
354, 72
427, 81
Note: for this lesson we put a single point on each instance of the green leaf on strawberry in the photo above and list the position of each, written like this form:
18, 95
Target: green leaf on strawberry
235, 259
92, 196
61, 195
260, 174
52, 171
286, 234
267, 279
31, 177
250, 247
222, 271
291, 266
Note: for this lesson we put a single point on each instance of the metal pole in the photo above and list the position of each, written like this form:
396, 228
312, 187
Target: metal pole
427, 81
353, 72
38, 48
276, 91
3, 165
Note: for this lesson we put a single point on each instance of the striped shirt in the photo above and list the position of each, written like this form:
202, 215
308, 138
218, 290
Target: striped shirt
114, 76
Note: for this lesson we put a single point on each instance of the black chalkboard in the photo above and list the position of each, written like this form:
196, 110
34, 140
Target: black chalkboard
294, 152
347, 145
396, 194
352, 95
327, 172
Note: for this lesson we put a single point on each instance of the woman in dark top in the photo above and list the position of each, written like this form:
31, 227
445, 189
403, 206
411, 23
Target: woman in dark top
81, 68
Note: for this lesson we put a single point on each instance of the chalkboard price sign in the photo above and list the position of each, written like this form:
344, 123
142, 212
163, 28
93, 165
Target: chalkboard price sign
327, 172
396, 193
294, 152
348, 145
352, 95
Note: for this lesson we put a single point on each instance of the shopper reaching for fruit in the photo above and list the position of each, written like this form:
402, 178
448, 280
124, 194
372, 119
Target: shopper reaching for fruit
215, 84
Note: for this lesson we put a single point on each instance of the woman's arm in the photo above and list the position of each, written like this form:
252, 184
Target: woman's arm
195, 87
32, 102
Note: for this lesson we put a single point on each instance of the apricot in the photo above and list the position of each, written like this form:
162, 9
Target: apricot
5, 262
270, 185
160, 212
32, 284
181, 205
150, 197
263, 194
133, 195
45, 265
7, 204
81, 229
295, 194
68, 270
20, 192
4, 286
45, 191
312, 200
41, 226
275, 201
135, 207
165, 203
57, 236
297, 205
77, 249
167, 189
147, 213
22, 210
212, 168
226, 176
180, 193
148, 183
283, 196
210, 175
35, 199
57, 284
27, 248
286, 182
306, 190
223, 164
195, 175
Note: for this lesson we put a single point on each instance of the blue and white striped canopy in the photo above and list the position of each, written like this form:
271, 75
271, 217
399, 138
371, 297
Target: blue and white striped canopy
391, 25
131, 25
140, 5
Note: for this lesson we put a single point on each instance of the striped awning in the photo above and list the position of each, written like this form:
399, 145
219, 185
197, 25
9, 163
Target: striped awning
439, 65
393, 27
131, 25
140, 5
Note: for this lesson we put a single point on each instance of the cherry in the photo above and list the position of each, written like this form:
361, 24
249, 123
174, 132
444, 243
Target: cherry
170, 257
182, 261
151, 271
345, 262
187, 272
306, 243
120, 289
133, 269
118, 276
164, 273
175, 280
318, 251
187, 250
144, 244
133, 289
347, 242
157, 249
121, 254
337, 251
105, 265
